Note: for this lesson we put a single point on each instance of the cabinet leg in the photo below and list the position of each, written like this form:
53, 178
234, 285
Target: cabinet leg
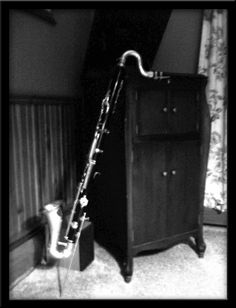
128, 269
201, 245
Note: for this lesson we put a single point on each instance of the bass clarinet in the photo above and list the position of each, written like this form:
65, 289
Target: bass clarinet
78, 212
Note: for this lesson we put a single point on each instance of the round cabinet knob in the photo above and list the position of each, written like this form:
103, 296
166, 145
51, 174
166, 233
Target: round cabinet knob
173, 172
164, 173
174, 109
165, 109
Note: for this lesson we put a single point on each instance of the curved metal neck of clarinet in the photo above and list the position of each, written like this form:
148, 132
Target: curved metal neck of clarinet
143, 72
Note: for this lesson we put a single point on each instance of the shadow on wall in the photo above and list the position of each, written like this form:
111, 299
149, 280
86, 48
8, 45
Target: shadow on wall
180, 45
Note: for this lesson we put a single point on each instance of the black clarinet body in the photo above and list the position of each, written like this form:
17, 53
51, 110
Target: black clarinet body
107, 109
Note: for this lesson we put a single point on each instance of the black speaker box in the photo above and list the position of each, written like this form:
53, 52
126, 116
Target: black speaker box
84, 254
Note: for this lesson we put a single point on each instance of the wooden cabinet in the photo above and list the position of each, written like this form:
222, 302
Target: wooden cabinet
151, 188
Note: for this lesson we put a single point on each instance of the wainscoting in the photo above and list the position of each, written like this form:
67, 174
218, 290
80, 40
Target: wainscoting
45, 148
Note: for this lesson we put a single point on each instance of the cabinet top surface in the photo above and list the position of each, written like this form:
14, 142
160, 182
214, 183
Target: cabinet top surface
133, 72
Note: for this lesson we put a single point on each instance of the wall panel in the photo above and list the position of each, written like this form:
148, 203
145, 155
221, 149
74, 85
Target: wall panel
44, 156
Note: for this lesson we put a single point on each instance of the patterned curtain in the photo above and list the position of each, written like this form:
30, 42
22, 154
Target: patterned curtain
213, 63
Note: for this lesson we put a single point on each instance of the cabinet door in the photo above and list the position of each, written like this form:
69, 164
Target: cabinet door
166, 108
151, 110
183, 110
165, 189
183, 187
149, 191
